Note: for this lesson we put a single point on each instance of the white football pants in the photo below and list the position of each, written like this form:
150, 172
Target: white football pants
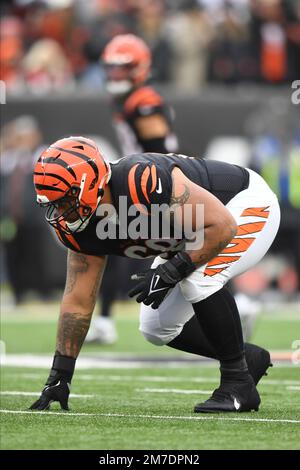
257, 214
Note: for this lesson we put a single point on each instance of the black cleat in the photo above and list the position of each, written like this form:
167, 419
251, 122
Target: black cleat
258, 361
231, 396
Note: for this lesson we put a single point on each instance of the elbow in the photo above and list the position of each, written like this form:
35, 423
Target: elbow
232, 229
229, 230
225, 229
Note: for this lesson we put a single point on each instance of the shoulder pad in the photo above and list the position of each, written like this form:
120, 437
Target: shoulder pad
143, 100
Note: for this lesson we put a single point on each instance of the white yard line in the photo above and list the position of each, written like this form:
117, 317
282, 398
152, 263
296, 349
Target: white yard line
35, 394
174, 390
293, 388
156, 378
111, 361
130, 378
140, 416
40, 362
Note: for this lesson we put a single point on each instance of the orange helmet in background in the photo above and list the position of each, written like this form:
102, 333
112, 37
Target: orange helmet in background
127, 60
69, 179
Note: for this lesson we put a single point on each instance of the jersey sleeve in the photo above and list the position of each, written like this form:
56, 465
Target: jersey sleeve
149, 182
144, 102
68, 240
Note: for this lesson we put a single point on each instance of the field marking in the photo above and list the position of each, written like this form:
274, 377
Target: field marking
130, 416
130, 378
101, 362
156, 378
36, 394
174, 390
114, 361
292, 388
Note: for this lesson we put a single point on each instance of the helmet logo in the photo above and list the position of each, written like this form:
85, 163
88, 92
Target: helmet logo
82, 185
41, 199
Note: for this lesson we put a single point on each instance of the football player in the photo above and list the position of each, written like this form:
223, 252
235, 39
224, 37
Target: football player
185, 304
143, 123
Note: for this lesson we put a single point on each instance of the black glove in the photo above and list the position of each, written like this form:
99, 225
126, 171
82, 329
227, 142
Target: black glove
156, 283
57, 387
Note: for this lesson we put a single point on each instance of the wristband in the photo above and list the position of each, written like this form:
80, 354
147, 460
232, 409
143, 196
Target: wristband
177, 268
63, 365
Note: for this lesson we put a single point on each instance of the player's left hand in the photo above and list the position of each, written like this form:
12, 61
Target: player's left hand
155, 284
152, 288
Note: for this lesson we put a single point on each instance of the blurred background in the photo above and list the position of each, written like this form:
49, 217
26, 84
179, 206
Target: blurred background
225, 67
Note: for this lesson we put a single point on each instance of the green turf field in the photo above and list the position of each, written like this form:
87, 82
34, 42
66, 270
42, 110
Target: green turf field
142, 407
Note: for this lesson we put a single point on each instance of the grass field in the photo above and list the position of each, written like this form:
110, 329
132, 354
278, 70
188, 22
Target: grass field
136, 405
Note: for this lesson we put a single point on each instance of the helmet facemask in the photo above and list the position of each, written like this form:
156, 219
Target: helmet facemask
67, 214
127, 60
119, 78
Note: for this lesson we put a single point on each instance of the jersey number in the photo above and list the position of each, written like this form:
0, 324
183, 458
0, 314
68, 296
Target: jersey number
152, 247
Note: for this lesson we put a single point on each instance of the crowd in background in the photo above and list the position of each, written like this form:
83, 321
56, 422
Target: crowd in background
56, 44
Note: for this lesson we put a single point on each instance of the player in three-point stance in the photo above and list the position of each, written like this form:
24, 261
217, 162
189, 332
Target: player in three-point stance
184, 300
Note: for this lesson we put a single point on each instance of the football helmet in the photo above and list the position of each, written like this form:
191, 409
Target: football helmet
127, 61
69, 178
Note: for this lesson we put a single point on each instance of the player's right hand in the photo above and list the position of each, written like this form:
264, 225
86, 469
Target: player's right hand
58, 385
57, 390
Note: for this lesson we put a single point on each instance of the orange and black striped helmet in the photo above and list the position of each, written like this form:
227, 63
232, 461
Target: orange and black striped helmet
69, 179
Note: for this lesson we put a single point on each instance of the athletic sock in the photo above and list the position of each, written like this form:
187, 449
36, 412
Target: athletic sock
193, 340
219, 318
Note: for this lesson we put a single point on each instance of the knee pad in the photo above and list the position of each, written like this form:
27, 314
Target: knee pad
161, 326
162, 336
156, 340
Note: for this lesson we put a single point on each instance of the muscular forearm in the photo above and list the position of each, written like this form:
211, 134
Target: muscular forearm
203, 217
83, 278
215, 240
73, 326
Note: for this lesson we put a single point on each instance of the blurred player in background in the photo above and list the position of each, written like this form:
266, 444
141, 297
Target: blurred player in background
143, 123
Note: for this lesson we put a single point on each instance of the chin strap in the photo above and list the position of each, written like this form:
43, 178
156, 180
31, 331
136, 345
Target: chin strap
78, 225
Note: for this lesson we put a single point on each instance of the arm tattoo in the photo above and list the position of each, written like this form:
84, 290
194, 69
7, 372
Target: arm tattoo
225, 242
182, 198
72, 329
96, 286
203, 258
77, 263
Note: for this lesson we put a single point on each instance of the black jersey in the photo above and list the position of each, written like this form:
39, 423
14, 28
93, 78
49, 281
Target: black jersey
139, 182
141, 102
